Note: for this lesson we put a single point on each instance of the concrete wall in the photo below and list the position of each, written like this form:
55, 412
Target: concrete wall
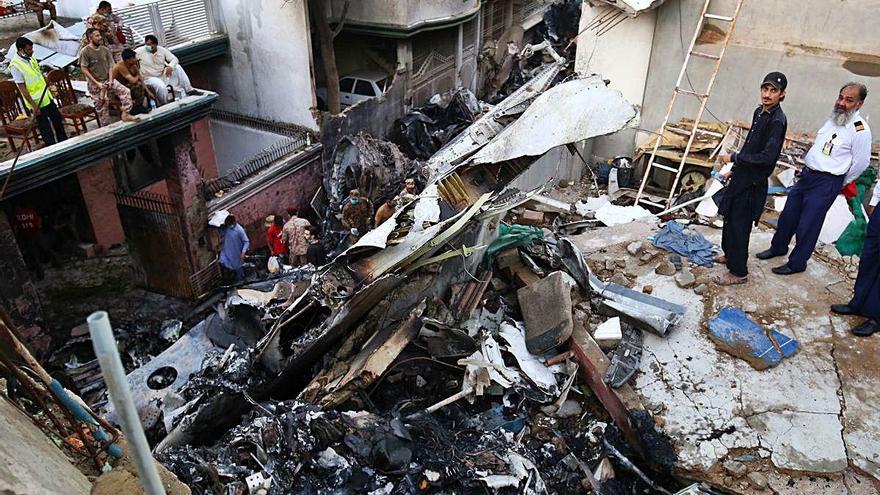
556, 165
622, 56
203, 143
98, 185
296, 189
374, 116
267, 72
236, 143
404, 15
819, 47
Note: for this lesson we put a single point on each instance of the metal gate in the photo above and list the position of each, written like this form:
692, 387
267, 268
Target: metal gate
156, 243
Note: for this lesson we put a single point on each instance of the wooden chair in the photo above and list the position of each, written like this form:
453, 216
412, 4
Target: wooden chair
11, 107
65, 97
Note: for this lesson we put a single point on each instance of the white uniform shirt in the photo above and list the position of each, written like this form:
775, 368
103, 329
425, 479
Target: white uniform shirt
842, 150
875, 198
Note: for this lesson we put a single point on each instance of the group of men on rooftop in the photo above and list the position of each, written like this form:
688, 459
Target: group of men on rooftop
840, 154
135, 78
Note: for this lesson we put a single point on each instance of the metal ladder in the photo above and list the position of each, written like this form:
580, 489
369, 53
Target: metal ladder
703, 97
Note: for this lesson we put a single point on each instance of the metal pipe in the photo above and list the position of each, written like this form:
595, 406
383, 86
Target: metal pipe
117, 385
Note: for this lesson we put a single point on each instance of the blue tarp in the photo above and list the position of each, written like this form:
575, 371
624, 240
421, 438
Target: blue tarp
738, 335
691, 245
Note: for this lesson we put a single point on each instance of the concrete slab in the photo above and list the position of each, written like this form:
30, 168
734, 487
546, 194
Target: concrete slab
814, 413
802, 441
857, 361
595, 240
32, 464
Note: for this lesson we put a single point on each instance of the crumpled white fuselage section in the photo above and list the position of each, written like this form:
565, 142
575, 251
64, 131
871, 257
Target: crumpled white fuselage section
569, 112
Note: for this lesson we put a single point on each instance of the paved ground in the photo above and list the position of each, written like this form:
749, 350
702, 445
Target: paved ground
810, 425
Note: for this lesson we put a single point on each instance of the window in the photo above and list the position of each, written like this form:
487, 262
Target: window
345, 84
381, 84
364, 88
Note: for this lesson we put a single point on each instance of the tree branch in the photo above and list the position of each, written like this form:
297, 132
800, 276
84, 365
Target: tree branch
338, 28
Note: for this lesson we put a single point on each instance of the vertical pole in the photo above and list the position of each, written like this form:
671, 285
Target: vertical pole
459, 48
114, 376
405, 64
156, 21
478, 47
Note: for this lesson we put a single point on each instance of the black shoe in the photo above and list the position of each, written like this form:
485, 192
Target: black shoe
785, 270
767, 254
843, 309
867, 328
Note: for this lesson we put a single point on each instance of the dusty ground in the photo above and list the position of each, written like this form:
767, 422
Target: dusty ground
83, 285
809, 426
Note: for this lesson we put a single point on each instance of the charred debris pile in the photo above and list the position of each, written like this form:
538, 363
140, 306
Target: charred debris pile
450, 349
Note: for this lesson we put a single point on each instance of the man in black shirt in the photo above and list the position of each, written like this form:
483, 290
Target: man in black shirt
316, 254
744, 198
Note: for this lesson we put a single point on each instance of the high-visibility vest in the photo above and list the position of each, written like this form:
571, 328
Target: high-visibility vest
33, 79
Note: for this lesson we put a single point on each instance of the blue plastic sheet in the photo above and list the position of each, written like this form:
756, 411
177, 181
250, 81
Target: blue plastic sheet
691, 245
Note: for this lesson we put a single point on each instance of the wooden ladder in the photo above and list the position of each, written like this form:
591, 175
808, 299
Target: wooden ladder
705, 16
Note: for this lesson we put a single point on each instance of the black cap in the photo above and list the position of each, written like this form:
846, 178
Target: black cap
777, 80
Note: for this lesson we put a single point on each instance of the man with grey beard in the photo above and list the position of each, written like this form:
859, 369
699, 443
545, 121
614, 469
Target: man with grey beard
841, 152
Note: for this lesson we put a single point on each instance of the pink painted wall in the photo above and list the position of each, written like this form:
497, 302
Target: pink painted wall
204, 147
295, 190
98, 186
160, 188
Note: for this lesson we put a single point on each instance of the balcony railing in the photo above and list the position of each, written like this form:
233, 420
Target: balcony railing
293, 138
173, 22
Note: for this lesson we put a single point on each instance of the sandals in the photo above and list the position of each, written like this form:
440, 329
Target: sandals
720, 259
729, 279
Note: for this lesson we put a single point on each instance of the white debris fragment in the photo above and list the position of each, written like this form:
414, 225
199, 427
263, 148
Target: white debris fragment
540, 374
612, 215
836, 220
329, 459
385, 490
486, 366
707, 207
604, 471
786, 177
217, 218
583, 208
613, 187
500, 481
608, 334
427, 209
432, 476
569, 409
779, 203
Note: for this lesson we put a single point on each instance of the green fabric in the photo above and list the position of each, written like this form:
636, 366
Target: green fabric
512, 235
853, 238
